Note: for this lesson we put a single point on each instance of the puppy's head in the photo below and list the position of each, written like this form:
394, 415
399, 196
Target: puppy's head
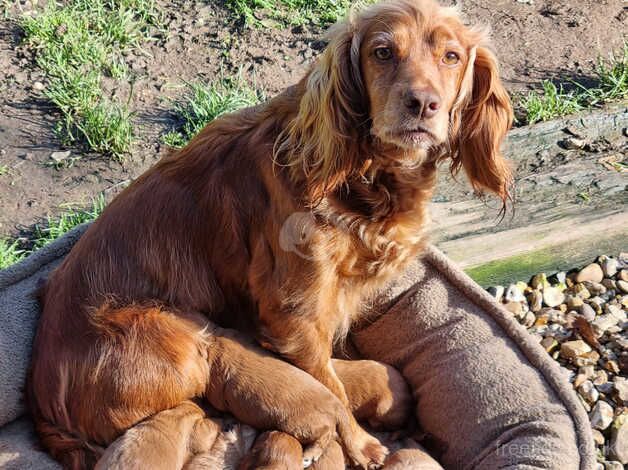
274, 450
407, 80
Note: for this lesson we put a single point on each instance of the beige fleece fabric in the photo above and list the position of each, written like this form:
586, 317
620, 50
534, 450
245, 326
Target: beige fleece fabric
488, 397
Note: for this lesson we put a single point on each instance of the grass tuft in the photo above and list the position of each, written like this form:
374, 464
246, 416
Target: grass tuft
553, 103
290, 12
56, 227
76, 43
12, 251
202, 103
612, 85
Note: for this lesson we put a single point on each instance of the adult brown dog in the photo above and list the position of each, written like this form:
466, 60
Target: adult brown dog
354, 146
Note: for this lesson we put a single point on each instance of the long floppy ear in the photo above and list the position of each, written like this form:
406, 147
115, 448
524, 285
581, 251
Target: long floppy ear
322, 143
480, 125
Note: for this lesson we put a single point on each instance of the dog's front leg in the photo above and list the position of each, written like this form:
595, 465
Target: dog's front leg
307, 343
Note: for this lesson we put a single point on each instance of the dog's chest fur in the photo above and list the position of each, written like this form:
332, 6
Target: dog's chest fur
355, 254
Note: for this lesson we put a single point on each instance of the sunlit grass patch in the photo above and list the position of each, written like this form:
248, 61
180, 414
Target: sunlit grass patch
12, 251
555, 101
202, 103
295, 12
76, 44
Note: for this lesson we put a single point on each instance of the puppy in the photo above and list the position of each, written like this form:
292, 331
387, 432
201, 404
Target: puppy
378, 394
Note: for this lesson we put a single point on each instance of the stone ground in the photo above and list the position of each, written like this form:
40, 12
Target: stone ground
580, 320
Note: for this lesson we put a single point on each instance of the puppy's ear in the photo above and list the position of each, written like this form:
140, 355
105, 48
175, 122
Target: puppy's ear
481, 118
323, 140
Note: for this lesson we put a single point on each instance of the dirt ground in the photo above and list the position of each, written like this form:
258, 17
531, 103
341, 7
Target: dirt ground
534, 40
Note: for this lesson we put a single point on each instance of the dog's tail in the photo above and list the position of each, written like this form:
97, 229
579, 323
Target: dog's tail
73, 452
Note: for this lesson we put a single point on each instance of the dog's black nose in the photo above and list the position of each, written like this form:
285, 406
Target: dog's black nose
422, 103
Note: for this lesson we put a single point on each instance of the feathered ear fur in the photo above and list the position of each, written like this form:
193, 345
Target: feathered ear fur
322, 142
482, 116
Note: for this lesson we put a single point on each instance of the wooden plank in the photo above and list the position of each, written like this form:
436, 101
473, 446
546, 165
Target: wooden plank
569, 205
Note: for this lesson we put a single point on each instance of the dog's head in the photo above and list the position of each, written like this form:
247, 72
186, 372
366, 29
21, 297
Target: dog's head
408, 78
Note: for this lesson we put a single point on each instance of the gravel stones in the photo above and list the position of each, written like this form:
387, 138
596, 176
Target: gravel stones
580, 320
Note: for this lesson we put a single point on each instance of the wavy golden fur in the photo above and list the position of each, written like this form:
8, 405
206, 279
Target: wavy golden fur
279, 221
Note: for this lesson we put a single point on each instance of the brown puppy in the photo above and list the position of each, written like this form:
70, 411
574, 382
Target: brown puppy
378, 394
346, 159
274, 450
185, 437
179, 438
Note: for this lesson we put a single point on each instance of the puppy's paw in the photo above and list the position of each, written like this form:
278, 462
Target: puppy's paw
370, 454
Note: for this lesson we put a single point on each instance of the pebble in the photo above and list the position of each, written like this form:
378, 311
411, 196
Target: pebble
516, 308
574, 349
561, 277
603, 323
60, 156
549, 343
587, 312
535, 301
589, 358
580, 291
598, 437
539, 281
612, 465
620, 384
612, 366
528, 319
596, 302
497, 292
38, 86
609, 266
573, 143
587, 371
553, 297
610, 284
601, 415
588, 391
592, 272
623, 286
601, 378
573, 302
618, 449
514, 294
595, 288
623, 275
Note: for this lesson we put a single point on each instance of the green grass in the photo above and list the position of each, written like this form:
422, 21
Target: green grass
203, 103
611, 85
77, 43
291, 12
4, 170
552, 103
12, 251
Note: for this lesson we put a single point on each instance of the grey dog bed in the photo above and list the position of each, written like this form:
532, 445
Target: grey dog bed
487, 394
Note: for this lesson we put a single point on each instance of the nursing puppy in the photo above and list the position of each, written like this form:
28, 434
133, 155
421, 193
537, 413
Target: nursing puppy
187, 437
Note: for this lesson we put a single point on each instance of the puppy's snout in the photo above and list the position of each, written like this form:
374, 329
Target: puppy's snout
422, 103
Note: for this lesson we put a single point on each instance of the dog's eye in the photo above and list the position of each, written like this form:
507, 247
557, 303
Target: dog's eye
383, 53
451, 58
